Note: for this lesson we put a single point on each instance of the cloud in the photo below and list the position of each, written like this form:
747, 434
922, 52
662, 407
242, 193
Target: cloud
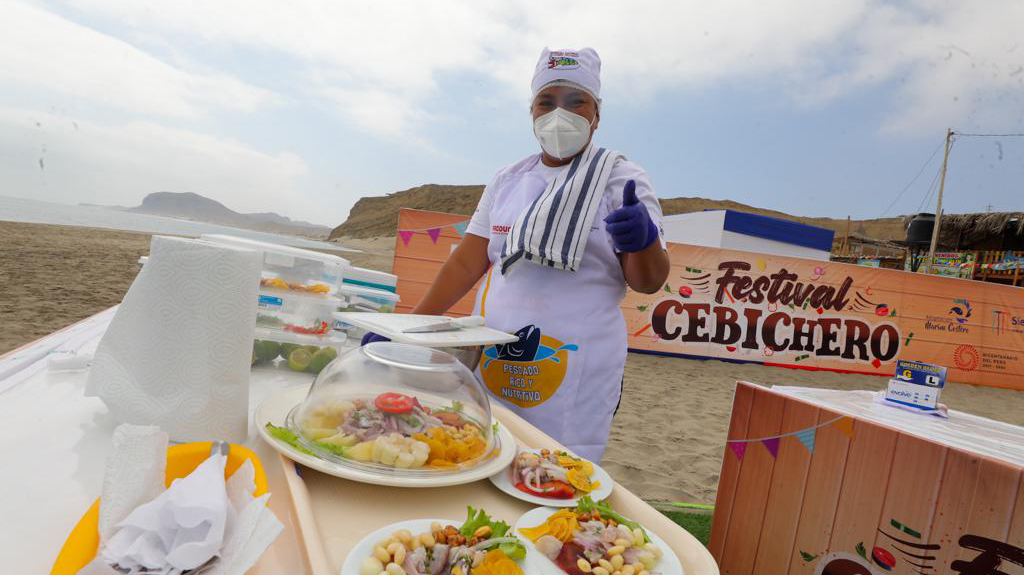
394, 55
73, 161
45, 54
957, 64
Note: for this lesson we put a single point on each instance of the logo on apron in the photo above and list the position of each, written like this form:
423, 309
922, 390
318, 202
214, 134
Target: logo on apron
529, 371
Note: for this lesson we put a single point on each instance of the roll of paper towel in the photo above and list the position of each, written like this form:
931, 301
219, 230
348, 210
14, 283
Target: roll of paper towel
178, 352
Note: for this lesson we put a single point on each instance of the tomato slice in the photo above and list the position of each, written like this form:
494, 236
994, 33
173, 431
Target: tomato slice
551, 489
394, 403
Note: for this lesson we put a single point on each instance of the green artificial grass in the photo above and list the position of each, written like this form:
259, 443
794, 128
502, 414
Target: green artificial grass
698, 524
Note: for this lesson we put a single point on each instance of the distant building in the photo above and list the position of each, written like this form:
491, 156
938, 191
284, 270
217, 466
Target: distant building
735, 230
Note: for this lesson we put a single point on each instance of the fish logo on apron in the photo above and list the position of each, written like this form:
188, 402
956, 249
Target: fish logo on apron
526, 372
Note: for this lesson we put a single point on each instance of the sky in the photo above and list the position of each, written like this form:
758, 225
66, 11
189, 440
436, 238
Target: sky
302, 107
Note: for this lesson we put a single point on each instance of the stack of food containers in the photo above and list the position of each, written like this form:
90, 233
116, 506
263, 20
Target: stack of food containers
368, 291
298, 297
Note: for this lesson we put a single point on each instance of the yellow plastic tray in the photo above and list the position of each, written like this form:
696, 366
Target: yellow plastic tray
84, 540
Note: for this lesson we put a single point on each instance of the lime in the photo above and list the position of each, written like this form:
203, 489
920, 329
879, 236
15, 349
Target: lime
299, 359
311, 348
265, 350
288, 348
321, 359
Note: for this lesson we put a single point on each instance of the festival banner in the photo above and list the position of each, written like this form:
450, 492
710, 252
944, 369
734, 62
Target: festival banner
792, 312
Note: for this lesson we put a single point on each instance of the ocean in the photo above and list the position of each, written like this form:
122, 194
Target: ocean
36, 212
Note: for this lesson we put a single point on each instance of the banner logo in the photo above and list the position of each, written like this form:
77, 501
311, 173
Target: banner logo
962, 310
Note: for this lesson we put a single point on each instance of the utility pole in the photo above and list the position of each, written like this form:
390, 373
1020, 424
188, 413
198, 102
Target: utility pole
938, 205
846, 239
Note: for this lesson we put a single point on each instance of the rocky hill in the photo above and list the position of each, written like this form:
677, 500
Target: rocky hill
378, 216
191, 206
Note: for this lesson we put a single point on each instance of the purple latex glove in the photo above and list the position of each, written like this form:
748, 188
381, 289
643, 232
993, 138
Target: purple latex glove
630, 226
372, 337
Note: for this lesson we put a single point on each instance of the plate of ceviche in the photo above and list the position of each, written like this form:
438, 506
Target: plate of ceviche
553, 477
480, 545
592, 539
380, 450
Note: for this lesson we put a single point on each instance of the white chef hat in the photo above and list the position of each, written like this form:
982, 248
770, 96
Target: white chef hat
580, 68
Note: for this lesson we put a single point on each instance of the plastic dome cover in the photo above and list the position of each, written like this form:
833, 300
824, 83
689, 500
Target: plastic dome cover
398, 409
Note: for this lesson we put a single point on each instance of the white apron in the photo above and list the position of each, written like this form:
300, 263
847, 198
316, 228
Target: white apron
565, 373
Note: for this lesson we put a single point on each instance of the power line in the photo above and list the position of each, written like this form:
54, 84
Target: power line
914, 179
931, 187
959, 134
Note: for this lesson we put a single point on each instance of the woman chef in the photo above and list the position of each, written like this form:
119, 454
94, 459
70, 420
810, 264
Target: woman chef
559, 234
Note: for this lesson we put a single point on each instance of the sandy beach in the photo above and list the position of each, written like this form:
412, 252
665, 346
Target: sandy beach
667, 438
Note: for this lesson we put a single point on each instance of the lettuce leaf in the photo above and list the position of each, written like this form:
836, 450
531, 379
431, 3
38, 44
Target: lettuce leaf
288, 436
477, 518
285, 435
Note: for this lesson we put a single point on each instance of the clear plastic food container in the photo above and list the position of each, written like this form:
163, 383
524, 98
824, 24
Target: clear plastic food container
397, 409
296, 313
294, 270
361, 299
357, 298
362, 277
296, 352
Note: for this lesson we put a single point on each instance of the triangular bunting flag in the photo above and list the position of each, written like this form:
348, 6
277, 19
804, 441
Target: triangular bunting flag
738, 447
845, 425
434, 233
772, 443
460, 228
406, 235
807, 438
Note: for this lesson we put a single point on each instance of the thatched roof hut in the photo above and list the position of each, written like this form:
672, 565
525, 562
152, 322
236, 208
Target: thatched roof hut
988, 231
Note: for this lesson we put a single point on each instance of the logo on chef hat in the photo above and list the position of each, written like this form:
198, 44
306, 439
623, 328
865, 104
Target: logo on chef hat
563, 61
526, 372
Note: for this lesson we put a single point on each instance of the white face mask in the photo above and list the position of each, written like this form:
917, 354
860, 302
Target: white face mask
561, 133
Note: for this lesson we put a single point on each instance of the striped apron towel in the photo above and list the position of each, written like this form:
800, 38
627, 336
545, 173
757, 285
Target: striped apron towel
553, 230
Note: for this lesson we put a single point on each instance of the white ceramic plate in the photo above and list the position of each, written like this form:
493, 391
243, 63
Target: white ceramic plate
503, 481
537, 562
364, 548
275, 408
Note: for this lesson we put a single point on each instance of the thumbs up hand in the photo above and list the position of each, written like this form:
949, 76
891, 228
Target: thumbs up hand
630, 226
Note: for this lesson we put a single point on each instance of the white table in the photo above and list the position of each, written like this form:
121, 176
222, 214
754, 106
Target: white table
54, 444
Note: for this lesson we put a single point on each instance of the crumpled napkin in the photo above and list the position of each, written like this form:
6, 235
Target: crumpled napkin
201, 520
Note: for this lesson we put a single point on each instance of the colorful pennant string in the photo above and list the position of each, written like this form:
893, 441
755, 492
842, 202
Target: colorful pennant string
846, 426
406, 235
434, 233
738, 447
806, 436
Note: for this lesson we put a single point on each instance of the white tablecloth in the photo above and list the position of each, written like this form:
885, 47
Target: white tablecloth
963, 431
54, 443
